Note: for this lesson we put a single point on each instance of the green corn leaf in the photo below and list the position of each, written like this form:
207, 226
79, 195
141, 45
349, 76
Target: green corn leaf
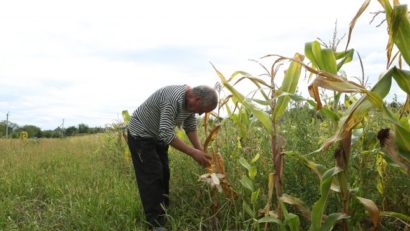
400, 216
347, 56
238, 73
331, 220
329, 114
244, 163
252, 172
247, 183
309, 53
324, 59
258, 82
262, 116
263, 102
320, 205
402, 78
317, 52
289, 85
247, 209
126, 116
329, 61
292, 221
360, 108
400, 28
255, 158
255, 196
316, 168
403, 141
269, 219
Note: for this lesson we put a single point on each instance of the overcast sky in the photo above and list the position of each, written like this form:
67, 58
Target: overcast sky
85, 61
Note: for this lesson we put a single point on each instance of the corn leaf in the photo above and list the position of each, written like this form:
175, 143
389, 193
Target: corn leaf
347, 57
248, 209
320, 205
126, 116
258, 82
252, 172
289, 85
288, 199
269, 219
372, 209
316, 168
324, 59
262, 116
331, 220
353, 22
309, 53
400, 27
403, 141
247, 183
291, 220
255, 196
402, 77
211, 137
358, 110
400, 216
244, 163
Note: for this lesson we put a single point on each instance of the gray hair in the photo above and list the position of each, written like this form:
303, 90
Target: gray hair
208, 96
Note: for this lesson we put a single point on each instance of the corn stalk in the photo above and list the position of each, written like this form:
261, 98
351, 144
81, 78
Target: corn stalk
278, 102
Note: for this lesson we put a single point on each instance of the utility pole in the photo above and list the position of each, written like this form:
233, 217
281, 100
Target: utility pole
62, 129
7, 125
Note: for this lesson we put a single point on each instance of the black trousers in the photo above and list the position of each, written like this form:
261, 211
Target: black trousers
151, 165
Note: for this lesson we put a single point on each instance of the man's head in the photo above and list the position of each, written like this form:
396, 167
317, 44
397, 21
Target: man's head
201, 99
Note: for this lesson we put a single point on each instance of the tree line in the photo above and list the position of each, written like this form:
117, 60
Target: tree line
33, 131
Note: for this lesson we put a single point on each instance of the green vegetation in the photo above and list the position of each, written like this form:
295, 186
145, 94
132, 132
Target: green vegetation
87, 182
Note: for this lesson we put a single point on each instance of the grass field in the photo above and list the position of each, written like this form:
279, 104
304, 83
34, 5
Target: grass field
86, 183
64, 184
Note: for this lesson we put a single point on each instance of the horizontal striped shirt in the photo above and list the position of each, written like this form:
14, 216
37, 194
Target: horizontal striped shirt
158, 116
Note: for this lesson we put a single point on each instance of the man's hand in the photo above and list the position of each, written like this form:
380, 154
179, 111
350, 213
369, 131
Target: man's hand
198, 155
201, 157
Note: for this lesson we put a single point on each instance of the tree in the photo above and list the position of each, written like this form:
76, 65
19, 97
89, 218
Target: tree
11, 128
70, 131
83, 128
33, 131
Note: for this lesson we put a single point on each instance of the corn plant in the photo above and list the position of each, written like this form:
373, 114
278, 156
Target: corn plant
398, 149
277, 100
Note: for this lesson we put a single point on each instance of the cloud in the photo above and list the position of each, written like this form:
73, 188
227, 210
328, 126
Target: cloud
86, 61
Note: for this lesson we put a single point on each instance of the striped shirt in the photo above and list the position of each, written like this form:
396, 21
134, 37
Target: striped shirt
158, 116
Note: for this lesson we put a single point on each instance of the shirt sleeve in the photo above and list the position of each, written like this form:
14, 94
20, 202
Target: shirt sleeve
167, 123
190, 123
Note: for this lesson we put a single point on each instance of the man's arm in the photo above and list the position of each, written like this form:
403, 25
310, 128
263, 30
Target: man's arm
193, 137
197, 154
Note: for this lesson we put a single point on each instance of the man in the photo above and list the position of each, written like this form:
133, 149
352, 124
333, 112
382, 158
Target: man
152, 129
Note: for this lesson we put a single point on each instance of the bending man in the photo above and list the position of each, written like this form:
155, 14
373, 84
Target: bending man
152, 129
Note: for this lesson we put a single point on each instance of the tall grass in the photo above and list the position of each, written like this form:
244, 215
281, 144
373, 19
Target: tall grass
64, 184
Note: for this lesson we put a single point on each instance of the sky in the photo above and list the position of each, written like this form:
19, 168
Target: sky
84, 61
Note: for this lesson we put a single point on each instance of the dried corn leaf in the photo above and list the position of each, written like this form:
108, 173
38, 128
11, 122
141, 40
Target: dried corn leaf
373, 211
